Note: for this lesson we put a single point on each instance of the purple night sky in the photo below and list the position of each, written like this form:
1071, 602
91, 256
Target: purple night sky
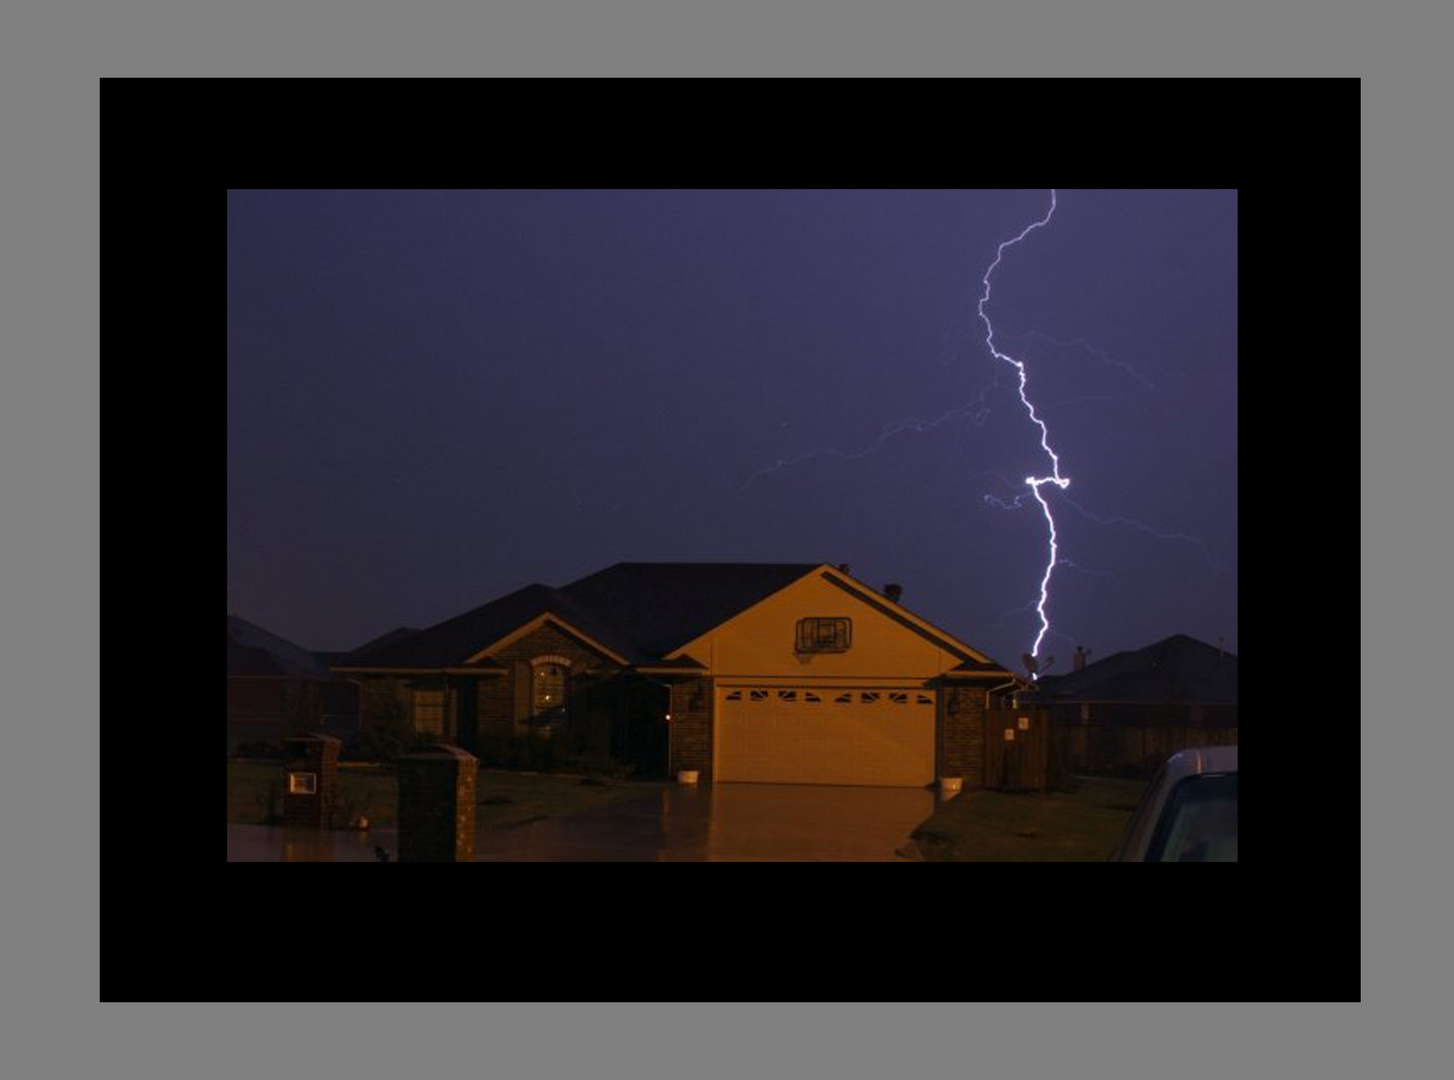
435, 398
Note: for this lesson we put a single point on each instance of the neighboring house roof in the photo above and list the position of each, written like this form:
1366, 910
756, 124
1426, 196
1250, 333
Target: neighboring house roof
1177, 669
373, 644
253, 651
393, 637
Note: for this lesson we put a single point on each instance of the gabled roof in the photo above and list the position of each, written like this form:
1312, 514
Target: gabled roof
1178, 669
662, 606
251, 650
637, 610
641, 612
455, 641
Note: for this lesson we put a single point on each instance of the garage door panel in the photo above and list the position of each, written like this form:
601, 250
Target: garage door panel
870, 739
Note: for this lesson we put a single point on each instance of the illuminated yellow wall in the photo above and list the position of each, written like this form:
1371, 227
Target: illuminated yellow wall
759, 643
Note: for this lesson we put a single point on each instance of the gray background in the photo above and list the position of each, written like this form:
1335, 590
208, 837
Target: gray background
48, 580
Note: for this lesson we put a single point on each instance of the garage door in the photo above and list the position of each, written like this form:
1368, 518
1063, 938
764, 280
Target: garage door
816, 736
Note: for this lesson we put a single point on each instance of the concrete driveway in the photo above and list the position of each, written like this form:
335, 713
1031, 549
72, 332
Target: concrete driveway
725, 823
710, 823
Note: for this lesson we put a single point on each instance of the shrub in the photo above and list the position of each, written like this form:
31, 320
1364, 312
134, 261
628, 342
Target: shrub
385, 731
258, 749
560, 752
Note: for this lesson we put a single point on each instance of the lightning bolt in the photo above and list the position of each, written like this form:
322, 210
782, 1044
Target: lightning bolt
1035, 482
978, 409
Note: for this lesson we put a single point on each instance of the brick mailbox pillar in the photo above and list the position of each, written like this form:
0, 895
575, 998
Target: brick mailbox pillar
310, 780
437, 805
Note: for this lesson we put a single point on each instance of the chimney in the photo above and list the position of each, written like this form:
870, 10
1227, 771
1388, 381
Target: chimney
893, 592
1078, 662
843, 567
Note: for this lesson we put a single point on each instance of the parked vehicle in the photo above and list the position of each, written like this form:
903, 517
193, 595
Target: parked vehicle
1189, 811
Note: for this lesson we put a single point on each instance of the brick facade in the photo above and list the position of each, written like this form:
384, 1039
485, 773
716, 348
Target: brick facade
498, 698
499, 695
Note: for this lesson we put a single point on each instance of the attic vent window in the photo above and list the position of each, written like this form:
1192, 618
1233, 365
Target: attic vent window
824, 635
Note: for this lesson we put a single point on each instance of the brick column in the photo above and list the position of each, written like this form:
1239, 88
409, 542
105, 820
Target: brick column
437, 805
690, 734
310, 780
964, 735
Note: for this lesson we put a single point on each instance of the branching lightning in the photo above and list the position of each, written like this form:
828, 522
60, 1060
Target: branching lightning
978, 409
1199, 543
1082, 343
1035, 482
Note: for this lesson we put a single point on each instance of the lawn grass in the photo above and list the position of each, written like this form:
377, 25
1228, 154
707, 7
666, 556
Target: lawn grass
504, 799
997, 826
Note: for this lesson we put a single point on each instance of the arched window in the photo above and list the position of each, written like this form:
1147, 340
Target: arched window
548, 676
549, 687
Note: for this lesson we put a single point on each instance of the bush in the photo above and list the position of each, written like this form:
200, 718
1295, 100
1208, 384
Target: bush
385, 732
258, 749
560, 752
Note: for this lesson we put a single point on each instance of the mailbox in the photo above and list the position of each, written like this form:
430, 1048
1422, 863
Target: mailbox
310, 788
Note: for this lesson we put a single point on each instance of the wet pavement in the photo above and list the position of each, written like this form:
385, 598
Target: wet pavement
274, 843
707, 823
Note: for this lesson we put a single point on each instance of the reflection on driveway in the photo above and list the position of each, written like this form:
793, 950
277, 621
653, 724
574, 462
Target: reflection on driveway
726, 823
274, 843
712, 823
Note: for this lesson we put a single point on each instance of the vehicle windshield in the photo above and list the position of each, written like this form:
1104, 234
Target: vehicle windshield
1199, 823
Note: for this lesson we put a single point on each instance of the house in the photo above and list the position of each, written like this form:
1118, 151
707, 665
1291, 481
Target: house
276, 689
1131, 710
790, 673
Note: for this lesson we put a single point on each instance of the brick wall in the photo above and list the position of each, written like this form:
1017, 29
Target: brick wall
962, 734
691, 727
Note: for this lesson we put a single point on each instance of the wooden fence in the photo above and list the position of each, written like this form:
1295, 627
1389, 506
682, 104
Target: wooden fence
1044, 748
1132, 747
1021, 752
